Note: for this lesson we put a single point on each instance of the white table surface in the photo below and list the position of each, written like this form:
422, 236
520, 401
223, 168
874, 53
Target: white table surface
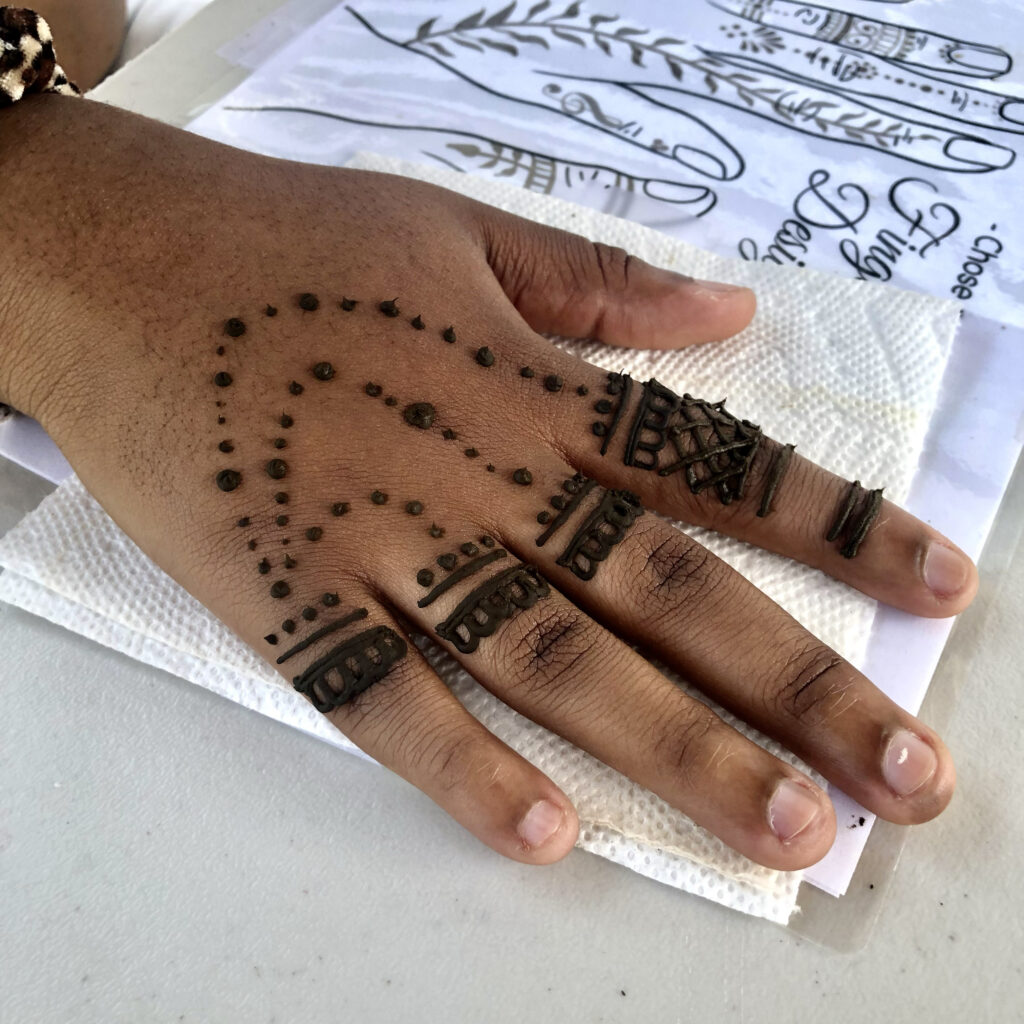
168, 856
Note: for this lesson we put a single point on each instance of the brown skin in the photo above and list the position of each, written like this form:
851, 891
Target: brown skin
129, 246
87, 35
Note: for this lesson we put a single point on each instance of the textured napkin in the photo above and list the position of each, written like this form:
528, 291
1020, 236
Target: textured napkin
848, 371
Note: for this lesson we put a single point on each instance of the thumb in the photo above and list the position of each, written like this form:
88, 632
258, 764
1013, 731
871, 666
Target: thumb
565, 284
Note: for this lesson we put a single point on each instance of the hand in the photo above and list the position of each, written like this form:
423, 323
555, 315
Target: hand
214, 339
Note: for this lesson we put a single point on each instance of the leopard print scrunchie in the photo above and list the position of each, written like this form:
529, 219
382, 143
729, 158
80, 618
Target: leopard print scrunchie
27, 60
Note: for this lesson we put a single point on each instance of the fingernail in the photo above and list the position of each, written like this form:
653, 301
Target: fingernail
979, 152
988, 59
540, 823
1013, 110
944, 570
717, 286
792, 809
908, 763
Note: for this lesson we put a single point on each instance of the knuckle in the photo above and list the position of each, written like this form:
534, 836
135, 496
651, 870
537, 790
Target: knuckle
814, 683
613, 264
681, 749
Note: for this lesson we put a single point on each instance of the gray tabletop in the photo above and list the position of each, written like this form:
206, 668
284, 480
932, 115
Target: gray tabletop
168, 856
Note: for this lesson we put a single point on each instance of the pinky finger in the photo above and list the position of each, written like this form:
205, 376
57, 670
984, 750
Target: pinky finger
410, 722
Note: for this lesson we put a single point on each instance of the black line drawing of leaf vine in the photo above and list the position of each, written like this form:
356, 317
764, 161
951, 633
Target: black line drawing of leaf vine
480, 31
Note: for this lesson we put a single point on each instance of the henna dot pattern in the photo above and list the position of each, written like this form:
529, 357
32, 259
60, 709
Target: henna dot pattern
389, 307
280, 442
348, 304
271, 639
552, 382
222, 379
323, 371
234, 328
523, 477
417, 322
420, 415
543, 517
281, 520
469, 549
277, 469
263, 568
488, 542
280, 589
490, 467
221, 420
436, 531
449, 335
527, 372
582, 390
270, 310
619, 385
484, 356
221, 350
281, 497
314, 533
226, 447
391, 400
309, 302
289, 562
471, 453
295, 388
244, 521
373, 390
288, 625
379, 498
447, 561
286, 421
448, 434
252, 545
424, 577
339, 508
229, 479
308, 613
330, 600
414, 508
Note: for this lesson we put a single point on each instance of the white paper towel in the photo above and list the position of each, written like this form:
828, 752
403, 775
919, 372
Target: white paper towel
848, 371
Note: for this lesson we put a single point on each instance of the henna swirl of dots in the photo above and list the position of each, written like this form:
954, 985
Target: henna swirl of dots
228, 479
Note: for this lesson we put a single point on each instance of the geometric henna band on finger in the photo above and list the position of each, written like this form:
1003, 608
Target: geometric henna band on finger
858, 511
605, 527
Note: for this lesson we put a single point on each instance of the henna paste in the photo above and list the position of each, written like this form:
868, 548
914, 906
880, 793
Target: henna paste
286, 421
389, 307
488, 542
414, 508
448, 434
221, 420
647, 436
289, 562
288, 625
492, 603
620, 384
252, 545
469, 549
348, 305
856, 527
270, 311
523, 477
277, 469
419, 414
228, 479
281, 497
484, 356
379, 498
552, 382
464, 572
720, 448
296, 388
778, 471
314, 533
263, 568
271, 639
222, 379
280, 442
234, 328
221, 350
582, 390
309, 302
605, 527
449, 335
309, 614
471, 453
417, 322
323, 371
424, 577
331, 627
567, 510
358, 663
339, 508
281, 520
374, 390
330, 600
280, 589
526, 371
244, 521
447, 561
490, 467
391, 400
436, 531
543, 517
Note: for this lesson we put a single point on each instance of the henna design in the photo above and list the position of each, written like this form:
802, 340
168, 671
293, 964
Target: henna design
222, 379
620, 384
331, 627
857, 528
358, 663
339, 508
523, 477
657, 404
552, 382
228, 479
778, 471
417, 322
323, 371
389, 307
449, 335
270, 310
605, 527
379, 498
464, 572
483, 611
234, 328
348, 304
582, 487
721, 446
436, 531
309, 302
484, 356
419, 414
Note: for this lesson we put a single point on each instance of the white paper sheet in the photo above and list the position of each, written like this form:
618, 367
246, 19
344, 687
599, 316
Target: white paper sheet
872, 139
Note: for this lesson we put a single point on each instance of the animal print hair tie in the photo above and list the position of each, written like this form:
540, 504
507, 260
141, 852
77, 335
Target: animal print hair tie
27, 60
